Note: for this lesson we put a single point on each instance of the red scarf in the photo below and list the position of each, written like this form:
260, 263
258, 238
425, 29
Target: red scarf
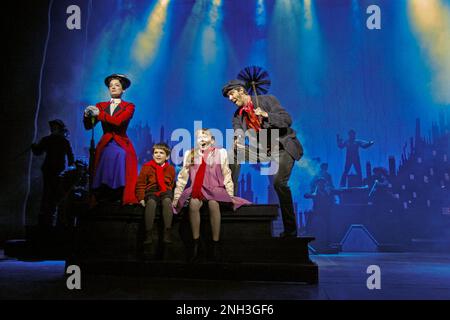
200, 176
159, 176
250, 117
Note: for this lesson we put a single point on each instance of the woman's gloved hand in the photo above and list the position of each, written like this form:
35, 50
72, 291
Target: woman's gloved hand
91, 111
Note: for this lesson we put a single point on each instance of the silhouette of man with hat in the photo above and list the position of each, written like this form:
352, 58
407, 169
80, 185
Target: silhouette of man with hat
57, 148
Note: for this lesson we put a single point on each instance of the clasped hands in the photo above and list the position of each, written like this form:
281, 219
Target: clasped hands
91, 111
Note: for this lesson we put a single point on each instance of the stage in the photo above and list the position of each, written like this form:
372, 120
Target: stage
353, 95
341, 277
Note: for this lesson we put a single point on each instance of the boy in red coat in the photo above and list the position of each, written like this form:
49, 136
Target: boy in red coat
154, 187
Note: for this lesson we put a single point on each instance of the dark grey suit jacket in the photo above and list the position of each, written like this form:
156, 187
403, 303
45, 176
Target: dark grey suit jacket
278, 119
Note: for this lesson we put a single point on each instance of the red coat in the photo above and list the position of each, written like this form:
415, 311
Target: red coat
115, 127
147, 180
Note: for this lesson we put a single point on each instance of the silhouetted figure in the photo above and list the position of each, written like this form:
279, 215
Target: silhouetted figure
323, 173
380, 194
319, 222
352, 155
56, 148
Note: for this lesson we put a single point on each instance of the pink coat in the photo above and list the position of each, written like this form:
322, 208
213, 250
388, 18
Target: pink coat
217, 184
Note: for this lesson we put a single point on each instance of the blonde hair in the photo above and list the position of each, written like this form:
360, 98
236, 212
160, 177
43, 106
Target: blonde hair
192, 152
203, 130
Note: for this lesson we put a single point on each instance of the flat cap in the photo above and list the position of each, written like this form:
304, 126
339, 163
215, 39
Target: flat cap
232, 84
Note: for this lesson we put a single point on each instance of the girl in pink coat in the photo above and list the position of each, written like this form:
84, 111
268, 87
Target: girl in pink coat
211, 183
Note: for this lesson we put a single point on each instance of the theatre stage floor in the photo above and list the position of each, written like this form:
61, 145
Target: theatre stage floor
342, 277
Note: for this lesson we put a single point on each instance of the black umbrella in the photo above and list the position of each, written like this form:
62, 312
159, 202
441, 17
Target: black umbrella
256, 81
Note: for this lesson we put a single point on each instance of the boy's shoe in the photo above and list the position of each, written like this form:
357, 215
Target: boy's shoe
167, 237
148, 237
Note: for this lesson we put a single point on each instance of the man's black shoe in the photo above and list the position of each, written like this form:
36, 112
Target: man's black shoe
292, 234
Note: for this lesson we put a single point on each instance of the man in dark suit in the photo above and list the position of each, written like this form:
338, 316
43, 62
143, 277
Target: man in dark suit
56, 147
264, 115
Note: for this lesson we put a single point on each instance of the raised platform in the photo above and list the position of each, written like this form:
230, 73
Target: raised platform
108, 240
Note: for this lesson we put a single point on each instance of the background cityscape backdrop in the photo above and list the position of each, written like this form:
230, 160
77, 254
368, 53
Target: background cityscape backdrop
328, 70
